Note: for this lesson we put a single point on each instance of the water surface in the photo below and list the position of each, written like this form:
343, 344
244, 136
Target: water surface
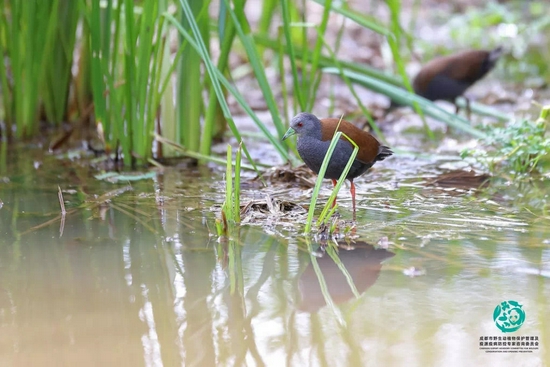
134, 274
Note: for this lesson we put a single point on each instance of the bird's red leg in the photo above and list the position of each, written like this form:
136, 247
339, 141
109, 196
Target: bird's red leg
352, 190
468, 108
334, 182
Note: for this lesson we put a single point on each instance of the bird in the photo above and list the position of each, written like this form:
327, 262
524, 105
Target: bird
448, 77
314, 136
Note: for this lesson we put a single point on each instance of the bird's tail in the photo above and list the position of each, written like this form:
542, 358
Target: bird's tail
383, 153
495, 54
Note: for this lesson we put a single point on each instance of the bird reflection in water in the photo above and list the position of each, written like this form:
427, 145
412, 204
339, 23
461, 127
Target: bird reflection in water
361, 260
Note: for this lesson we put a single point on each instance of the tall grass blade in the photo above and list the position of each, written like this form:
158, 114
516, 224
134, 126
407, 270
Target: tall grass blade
323, 286
237, 189
189, 97
217, 77
331, 251
198, 43
26, 28
285, 10
320, 177
245, 36
325, 61
214, 123
266, 19
228, 204
323, 216
364, 21
395, 43
58, 59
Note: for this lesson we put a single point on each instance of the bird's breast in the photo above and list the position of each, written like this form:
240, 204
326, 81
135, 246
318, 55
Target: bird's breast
313, 152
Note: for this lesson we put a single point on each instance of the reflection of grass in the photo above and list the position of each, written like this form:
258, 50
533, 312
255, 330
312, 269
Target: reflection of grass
323, 284
95, 203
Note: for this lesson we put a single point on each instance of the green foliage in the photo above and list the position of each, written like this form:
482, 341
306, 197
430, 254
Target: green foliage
189, 101
58, 59
38, 39
144, 89
310, 61
520, 148
127, 74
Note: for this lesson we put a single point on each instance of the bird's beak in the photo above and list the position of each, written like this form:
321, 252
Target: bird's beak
289, 133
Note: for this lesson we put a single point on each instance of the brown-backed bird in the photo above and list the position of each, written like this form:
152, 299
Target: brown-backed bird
314, 136
448, 77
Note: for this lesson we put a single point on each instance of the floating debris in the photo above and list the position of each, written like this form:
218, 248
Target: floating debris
414, 272
117, 177
384, 243
300, 175
272, 208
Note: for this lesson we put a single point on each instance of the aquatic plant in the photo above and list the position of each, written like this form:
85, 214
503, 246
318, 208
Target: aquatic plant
520, 148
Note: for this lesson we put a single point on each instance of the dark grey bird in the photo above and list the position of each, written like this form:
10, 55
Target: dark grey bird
314, 136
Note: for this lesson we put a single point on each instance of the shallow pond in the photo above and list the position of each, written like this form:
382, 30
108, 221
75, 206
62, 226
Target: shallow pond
134, 275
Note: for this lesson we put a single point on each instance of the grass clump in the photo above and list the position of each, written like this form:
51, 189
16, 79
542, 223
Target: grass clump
521, 148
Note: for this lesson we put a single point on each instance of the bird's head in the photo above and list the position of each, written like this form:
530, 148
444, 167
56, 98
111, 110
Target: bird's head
304, 124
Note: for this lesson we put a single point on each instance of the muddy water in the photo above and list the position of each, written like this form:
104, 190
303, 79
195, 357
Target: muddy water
134, 276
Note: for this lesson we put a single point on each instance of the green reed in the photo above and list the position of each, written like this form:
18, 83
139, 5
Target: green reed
127, 72
231, 208
38, 42
189, 99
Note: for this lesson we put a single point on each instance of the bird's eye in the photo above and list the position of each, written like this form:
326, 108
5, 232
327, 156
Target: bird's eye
299, 124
